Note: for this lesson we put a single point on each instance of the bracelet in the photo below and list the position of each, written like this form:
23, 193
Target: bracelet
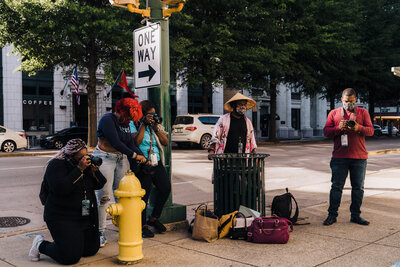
134, 155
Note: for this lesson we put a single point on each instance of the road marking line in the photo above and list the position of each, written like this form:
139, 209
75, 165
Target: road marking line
18, 168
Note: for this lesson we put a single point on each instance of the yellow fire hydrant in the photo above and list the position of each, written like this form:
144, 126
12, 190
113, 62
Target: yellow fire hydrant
127, 215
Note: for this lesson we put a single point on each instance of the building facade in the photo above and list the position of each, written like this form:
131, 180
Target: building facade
46, 103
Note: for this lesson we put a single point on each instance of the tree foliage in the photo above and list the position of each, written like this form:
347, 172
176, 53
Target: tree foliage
379, 30
87, 34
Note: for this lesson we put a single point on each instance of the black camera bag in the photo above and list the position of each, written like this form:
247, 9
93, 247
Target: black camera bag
282, 206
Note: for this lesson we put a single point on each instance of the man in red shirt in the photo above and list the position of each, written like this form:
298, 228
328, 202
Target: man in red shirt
348, 126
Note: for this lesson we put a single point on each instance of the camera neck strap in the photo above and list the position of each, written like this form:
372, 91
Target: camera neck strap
151, 140
354, 112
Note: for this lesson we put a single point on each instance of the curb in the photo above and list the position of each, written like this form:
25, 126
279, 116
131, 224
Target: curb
383, 152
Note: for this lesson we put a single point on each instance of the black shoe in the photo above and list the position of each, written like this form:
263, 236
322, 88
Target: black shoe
146, 232
158, 225
359, 220
330, 220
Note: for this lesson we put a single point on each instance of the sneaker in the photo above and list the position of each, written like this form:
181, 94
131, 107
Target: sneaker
103, 239
158, 225
34, 253
146, 232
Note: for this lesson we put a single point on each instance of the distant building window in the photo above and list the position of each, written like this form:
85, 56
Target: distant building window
37, 102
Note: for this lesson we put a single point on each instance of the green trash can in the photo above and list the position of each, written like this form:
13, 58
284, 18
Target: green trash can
239, 180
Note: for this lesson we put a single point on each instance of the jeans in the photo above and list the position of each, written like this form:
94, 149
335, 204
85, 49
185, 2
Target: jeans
114, 167
340, 169
72, 240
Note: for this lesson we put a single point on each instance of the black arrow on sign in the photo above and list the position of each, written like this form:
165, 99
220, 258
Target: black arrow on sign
150, 73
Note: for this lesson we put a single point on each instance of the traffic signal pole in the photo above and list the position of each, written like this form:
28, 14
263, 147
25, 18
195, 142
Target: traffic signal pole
160, 96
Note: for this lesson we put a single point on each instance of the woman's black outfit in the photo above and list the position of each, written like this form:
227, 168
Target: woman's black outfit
160, 179
74, 235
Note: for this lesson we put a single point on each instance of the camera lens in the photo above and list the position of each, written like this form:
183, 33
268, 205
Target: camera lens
97, 161
351, 123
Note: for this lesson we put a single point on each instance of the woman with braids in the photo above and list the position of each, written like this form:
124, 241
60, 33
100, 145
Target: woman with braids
115, 145
70, 206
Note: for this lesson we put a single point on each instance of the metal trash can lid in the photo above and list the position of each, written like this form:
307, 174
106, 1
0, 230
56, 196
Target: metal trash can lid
240, 156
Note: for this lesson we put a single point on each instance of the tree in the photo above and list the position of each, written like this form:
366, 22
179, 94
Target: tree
329, 48
380, 50
200, 36
88, 34
267, 43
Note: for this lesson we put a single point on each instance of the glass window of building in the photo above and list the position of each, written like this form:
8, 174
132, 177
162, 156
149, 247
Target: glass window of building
37, 95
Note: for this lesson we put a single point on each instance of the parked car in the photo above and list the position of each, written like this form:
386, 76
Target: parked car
395, 131
10, 140
377, 130
192, 128
60, 138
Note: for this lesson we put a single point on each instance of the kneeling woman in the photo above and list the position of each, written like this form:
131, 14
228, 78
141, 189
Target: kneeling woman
70, 206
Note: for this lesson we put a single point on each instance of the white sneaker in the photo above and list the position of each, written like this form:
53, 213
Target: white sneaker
103, 239
34, 253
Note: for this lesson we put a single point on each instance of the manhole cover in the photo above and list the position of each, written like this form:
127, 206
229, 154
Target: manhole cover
13, 221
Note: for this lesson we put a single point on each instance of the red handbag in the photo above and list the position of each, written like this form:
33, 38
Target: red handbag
273, 230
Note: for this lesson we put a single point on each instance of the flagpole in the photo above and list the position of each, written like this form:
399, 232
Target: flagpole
65, 86
116, 81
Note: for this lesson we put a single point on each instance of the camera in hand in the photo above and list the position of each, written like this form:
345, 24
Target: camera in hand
97, 161
351, 123
147, 168
157, 119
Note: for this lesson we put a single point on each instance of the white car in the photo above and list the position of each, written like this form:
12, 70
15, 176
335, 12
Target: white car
395, 131
10, 140
192, 128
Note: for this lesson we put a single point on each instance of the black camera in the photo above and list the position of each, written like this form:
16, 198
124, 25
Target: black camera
157, 119
97, 161
147, 169
351, 123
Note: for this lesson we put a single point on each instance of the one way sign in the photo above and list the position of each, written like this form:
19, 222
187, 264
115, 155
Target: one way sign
147, 58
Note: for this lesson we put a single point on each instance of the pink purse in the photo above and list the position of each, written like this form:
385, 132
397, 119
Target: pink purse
273, 230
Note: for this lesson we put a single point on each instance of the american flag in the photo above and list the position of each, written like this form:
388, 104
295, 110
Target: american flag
75, 82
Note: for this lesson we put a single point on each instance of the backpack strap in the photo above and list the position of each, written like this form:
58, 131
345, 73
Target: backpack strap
296, 213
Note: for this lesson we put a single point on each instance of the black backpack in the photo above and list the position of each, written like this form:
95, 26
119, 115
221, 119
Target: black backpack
282, 206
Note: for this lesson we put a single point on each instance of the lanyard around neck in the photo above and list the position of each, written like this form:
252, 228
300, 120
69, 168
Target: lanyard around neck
355, 113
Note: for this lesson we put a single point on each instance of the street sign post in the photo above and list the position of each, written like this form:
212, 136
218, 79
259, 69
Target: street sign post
147, 61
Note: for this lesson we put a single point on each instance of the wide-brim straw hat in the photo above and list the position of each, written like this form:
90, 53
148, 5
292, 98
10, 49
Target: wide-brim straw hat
250, 102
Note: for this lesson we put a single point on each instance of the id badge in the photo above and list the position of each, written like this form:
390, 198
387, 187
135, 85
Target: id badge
153, 159
344, 140
85, 207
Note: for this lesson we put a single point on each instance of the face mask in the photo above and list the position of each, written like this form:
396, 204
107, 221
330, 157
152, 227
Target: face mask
241, 110
348, 106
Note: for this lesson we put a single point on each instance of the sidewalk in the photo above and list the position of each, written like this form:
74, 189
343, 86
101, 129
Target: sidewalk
341, 244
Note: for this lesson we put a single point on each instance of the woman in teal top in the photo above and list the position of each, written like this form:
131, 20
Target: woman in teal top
150, 138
